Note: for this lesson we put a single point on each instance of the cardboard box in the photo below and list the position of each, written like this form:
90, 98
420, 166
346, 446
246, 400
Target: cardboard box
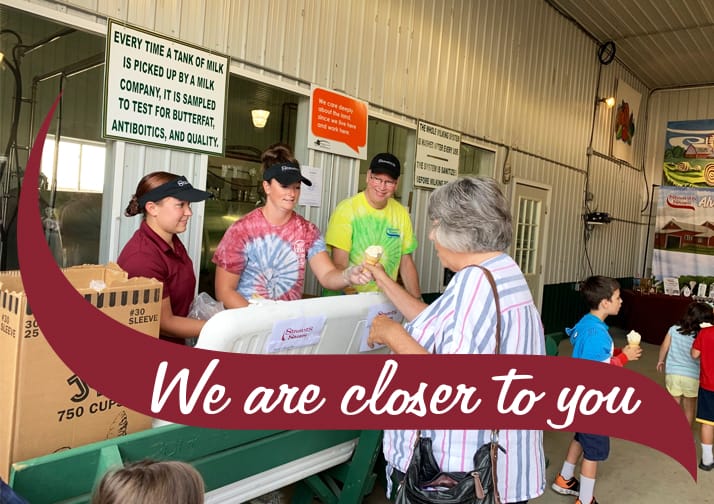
45, 407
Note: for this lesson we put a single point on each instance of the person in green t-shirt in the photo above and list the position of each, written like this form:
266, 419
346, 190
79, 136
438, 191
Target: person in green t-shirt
374, 217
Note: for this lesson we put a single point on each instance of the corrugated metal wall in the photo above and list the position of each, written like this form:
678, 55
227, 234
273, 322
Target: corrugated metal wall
510, 72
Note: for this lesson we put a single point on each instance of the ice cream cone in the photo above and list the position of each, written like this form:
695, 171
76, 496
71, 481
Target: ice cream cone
373, 254
634, 338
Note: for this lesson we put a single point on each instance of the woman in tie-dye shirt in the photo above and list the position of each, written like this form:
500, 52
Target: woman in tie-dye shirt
263, 254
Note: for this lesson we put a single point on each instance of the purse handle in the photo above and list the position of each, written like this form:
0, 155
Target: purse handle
494, 432
497, 302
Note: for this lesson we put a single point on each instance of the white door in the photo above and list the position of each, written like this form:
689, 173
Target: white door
530, 215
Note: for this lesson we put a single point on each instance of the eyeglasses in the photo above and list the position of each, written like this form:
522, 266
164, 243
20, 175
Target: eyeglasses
382, 182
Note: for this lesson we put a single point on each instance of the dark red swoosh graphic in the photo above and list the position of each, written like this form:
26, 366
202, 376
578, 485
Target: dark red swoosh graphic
122, 364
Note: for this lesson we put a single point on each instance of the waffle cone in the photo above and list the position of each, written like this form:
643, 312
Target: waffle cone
371, 260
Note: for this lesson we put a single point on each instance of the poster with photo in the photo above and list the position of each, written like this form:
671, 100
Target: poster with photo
684, 235
689, 154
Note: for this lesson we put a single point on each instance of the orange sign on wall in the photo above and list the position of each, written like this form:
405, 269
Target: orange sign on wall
338, 123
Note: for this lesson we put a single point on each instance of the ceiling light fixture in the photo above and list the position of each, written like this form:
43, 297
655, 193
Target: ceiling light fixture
609, 101
2, 56
260, 117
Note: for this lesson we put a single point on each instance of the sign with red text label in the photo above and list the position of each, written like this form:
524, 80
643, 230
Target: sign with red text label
295, 333
387, 309
338, 123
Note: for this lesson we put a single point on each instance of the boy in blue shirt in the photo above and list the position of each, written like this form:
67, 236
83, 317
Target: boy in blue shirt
592, 341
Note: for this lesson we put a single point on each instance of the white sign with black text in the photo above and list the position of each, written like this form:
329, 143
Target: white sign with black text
437, 156
311, 195
163, 92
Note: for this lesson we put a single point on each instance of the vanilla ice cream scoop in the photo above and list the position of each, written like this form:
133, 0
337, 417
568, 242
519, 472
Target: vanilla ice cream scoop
633, 338
373, 253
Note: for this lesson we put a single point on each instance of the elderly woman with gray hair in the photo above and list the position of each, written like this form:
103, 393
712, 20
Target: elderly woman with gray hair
471, 225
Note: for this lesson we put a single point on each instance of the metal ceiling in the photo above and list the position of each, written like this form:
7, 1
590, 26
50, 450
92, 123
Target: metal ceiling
664, 43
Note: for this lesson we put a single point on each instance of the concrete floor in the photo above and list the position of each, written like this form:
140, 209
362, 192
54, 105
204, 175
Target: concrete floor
633, 473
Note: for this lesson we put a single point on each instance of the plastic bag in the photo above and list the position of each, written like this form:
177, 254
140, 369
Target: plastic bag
204, 307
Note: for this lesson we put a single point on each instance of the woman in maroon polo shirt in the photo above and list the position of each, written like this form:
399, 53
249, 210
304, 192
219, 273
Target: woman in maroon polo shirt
155, 251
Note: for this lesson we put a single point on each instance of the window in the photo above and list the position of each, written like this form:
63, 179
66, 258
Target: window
526, 234
476, 161
80, 165
74, 207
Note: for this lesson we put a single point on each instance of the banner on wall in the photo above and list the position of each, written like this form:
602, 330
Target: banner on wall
437, 156
689, 153
684, 236
338, 123
163, 92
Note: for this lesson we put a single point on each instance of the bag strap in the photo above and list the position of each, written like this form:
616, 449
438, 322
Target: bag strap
497, 301
494, 433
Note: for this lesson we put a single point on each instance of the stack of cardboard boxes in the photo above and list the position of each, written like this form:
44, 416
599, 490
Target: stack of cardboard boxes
44, 406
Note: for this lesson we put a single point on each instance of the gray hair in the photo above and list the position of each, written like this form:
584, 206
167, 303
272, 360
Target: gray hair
471, 214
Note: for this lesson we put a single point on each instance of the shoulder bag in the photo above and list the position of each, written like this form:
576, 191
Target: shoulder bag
426, 483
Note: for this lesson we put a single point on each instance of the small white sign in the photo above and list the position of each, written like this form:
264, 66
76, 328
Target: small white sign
387, 309
295, 333
311, 195
437, 155
702, 290
163, 91
671, 286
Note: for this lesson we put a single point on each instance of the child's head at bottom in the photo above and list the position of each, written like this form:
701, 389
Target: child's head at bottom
151, 482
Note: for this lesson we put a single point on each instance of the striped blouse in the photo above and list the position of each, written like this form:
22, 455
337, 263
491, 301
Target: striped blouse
462, 321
